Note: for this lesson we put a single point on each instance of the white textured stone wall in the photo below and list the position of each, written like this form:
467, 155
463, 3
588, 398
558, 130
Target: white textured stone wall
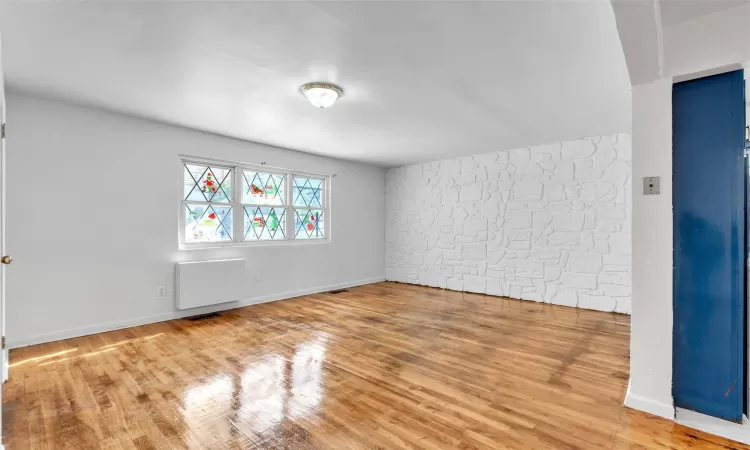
548, 223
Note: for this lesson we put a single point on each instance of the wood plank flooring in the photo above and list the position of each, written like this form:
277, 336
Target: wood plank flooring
380, 366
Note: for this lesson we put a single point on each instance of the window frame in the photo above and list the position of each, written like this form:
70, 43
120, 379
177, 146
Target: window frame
323, 202
236, 202
185, 202
240, 172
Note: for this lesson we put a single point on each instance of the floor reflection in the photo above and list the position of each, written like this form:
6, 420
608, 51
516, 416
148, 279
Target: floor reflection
206, 405
264, 394
255, 404
307, 377
43, 358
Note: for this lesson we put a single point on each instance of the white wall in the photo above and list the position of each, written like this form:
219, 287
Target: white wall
651, 322
547, 223
93, 216
700, 47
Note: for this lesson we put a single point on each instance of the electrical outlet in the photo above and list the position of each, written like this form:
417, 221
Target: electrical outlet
161, 291
257, 277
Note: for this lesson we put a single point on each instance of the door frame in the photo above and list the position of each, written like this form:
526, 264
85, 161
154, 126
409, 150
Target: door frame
3, 347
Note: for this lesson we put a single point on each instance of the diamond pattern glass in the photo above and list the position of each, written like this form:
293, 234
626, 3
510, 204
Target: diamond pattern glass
208, 223
268, 207
309, 224
207, 184
263, 188
264, 223
307, 192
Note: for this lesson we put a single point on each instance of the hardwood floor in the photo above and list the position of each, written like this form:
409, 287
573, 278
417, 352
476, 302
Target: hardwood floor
380, 366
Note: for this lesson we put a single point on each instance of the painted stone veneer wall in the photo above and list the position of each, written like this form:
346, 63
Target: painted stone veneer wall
549, 223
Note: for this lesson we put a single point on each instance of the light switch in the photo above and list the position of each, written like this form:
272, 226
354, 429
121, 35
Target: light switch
651, 186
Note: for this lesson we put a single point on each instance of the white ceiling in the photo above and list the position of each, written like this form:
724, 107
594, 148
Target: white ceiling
678, 11
422, 80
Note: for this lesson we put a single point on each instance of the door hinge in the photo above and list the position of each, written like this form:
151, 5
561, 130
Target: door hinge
2, 131
3, 342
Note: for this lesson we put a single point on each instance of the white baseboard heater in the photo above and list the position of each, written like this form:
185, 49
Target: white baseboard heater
204, 283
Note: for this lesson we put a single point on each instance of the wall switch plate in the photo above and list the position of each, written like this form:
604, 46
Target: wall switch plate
651, 185
161, 291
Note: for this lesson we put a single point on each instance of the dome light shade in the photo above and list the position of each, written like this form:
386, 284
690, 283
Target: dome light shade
321, 95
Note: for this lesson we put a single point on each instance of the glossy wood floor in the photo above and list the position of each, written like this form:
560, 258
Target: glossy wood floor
381, 366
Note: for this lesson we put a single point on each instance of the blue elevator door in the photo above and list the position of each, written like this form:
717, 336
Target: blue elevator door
709, 243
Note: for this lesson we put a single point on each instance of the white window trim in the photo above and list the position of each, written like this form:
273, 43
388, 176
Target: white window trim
324, 207
238, 208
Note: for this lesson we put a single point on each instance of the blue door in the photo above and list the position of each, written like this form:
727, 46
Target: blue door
708, 130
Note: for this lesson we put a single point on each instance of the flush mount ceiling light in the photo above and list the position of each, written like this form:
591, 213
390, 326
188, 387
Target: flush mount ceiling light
321, 95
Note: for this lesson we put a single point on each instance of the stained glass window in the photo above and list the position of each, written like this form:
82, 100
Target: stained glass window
308, 201
227, 202
265, 223
309, 223
208, 223
263, 188
207, 184
308, 192
263, 200
207, 192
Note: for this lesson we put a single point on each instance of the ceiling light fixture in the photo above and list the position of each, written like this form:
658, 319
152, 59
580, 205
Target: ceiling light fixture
321, 95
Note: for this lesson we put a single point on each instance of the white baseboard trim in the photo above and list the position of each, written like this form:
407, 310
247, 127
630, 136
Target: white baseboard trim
644, 404
176, 314
739, 432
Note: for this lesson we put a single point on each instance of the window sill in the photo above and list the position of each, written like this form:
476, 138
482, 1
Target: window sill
225, 245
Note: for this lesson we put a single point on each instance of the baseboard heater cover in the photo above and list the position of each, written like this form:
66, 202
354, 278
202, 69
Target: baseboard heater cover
204, 283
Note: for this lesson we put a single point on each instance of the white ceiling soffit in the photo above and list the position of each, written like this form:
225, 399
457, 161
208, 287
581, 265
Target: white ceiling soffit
652, 40
678, 11
639, 27
714, 43
423, 80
